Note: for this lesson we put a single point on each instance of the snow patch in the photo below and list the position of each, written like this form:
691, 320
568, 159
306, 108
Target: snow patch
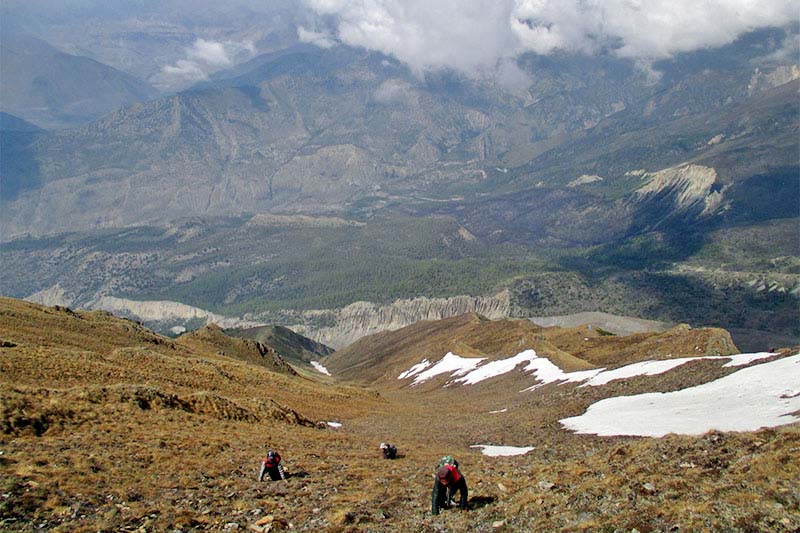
503, 410
449, 364
471, 370
747, 400
496, 368
546, 372
502, 451
334, 424
643, 368
320, 368
742, 358
416, 369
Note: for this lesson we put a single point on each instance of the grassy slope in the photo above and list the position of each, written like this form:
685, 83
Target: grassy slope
136, 430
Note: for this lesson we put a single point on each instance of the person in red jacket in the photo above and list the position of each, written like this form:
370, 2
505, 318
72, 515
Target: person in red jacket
272, 465
448, 480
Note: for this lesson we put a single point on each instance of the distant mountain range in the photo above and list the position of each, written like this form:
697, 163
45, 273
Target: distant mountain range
56, 90
309, 178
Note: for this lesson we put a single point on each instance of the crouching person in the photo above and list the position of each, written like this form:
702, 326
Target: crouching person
447, 481
389, 451
272, 465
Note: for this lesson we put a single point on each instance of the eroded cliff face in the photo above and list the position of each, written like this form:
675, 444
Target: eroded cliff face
691, 186
333, 327
339, 327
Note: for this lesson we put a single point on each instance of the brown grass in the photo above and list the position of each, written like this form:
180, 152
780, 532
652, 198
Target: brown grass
105, 428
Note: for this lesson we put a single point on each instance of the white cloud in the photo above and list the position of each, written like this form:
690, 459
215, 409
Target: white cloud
202, 58
425, 33
394, 91
211, 53
185, 70
480, 34
321, 39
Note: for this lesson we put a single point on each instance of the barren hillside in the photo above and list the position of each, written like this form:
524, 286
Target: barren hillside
107, 426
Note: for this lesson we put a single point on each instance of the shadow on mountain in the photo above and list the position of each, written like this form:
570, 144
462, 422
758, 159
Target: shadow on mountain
774, 194
18, 166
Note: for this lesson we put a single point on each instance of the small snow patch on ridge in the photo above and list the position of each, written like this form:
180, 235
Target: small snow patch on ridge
496, 368
318, 366
334, 424
449, 364
502, 451
416, 369
472, 370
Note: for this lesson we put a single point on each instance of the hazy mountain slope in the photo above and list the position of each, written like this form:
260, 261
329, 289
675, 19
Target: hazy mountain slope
10, 123
57, 90
303, 130
144, 37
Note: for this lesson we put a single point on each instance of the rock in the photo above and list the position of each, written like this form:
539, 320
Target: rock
546, 485
364, 318
649, 488
230, 526
498, 524
502, 487
265, 520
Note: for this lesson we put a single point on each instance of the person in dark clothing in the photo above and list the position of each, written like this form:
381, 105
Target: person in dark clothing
389, 451
272, 465
447, 481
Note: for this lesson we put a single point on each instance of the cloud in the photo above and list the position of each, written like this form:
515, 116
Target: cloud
478, 34
321, 39
202, 58
425, 34
211, 53
185, 70
394, 91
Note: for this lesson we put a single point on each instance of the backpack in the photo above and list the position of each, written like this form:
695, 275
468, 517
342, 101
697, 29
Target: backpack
447, 460
273, 459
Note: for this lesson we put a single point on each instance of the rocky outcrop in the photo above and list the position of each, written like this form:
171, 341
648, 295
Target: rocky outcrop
166, 312
332, 327
345, 326
55, 295
691, 187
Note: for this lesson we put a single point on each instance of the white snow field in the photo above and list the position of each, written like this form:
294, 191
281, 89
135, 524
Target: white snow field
502, 451
449, 364
320, 368
764, 395
471, 371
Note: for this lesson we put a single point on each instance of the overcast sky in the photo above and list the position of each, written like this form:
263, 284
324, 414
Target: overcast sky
477, 34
